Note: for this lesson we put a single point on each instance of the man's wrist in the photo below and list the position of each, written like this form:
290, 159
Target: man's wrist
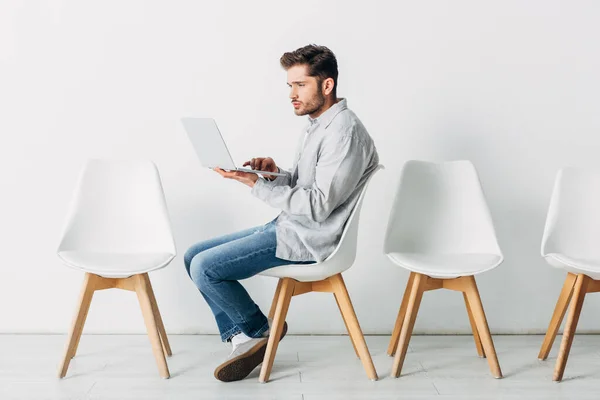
271, 179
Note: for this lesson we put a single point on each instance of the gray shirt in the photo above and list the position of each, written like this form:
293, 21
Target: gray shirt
335, 156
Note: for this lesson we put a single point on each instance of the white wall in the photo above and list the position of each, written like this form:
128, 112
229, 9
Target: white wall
511, 85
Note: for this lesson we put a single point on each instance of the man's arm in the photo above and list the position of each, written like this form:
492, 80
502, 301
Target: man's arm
335, 180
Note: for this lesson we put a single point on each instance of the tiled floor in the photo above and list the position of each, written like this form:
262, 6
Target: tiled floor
306, 368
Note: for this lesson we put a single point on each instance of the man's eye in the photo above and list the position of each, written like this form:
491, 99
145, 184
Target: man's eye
301, 84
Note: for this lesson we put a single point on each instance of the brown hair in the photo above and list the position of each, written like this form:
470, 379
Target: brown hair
321, 62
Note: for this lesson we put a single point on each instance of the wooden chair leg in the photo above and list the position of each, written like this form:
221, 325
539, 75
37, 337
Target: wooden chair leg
93, 281
346, 324
85, 299
482, 326
559, 313
275, 298
142, 290
341, 293
476, 337
401, 313
579, 292
283, 302
412, 309
157, 317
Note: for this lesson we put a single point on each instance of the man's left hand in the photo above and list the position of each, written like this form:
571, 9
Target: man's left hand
247, 178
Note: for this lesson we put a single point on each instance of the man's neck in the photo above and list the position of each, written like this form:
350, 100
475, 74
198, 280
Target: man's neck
329, 102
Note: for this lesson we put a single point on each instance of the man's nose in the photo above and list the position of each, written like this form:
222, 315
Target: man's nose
293, 94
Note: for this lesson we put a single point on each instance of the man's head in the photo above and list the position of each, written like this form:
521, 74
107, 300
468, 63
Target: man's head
312, 75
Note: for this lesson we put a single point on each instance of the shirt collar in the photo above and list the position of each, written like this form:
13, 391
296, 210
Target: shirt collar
328, 116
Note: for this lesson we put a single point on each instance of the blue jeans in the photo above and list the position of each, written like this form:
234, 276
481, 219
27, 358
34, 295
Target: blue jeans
216, 265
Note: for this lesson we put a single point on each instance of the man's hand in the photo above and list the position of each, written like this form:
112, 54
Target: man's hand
263, 164
247, 178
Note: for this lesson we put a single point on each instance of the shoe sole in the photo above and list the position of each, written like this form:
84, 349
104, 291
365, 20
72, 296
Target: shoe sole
241, 366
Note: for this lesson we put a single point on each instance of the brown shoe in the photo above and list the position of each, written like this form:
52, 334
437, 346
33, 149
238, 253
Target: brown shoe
244, 359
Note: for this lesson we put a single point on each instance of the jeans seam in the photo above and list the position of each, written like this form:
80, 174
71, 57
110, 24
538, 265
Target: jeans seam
230, 333
260, 330
245, 256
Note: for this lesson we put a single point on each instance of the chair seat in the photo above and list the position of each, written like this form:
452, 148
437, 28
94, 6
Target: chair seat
446, 266
307, 272
588, 267
115, 265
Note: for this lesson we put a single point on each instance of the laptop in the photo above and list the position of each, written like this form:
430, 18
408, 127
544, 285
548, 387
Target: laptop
211, 148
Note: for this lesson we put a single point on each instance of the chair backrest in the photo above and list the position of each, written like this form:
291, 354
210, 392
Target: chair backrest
118, 207
440, 208
345, 251
573, 221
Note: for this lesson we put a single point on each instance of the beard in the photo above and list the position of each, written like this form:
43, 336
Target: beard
312, 106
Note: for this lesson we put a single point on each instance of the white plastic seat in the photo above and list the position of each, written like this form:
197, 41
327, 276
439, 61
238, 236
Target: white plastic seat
441, 230
325, 276
446, 266
117, 230
115, 265
574, 265
570, 242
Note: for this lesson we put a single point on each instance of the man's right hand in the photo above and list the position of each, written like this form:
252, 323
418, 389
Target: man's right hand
263, 164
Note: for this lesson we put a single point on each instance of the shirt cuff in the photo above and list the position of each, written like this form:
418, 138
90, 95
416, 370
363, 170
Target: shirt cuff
277, 178
262, 188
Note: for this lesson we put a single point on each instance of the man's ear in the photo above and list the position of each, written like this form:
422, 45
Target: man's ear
327, 86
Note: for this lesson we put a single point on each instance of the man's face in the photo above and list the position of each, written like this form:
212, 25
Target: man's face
305, 91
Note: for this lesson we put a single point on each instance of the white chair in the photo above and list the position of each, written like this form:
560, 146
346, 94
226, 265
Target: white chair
570, 242
117, 231
441, 230
325, 276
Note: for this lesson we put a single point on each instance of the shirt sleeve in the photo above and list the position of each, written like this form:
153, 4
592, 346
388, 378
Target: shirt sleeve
282, 180
338, 171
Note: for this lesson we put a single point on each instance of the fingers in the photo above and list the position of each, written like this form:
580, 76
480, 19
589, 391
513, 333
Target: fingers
262, 164
232, 174
267, 164
253, 163
220, 172
225, 174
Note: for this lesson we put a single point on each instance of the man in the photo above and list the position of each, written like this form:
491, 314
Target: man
335, 157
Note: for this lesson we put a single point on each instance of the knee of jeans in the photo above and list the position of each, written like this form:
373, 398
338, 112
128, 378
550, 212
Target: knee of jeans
188, 257
199, 271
